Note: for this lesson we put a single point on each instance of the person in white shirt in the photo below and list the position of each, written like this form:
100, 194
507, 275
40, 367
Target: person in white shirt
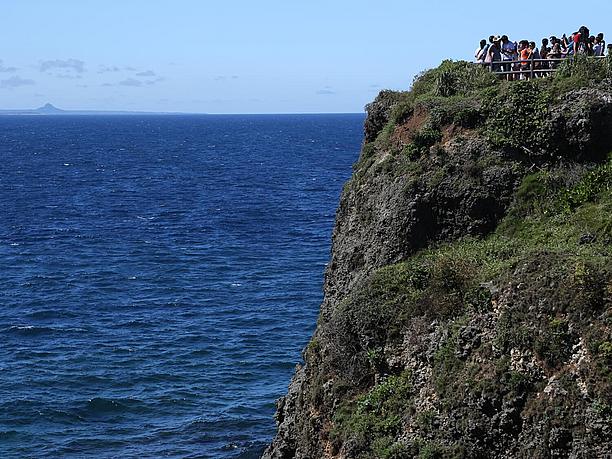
598, 49
481, 52
603, 43
509, 53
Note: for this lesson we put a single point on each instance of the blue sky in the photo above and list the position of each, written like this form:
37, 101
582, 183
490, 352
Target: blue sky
239, 56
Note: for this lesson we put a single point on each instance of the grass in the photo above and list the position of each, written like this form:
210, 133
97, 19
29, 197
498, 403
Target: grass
445, 283
373, 420
555, 238
511, 115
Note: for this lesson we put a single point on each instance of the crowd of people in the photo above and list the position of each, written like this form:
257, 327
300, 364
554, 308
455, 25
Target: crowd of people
504, 55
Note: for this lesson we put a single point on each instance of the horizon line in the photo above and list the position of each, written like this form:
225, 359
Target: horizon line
33, 112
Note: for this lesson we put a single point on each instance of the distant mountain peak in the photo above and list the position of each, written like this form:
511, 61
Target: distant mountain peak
49, 108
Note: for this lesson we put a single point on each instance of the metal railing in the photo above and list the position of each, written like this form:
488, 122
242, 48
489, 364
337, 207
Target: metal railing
531, 68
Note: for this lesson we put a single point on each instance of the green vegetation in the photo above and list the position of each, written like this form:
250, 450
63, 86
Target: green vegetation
426, 137
527, 101
581, 71
594, 183
554, 342
548, 249
452, 89
445, 283
373, 420
511, 115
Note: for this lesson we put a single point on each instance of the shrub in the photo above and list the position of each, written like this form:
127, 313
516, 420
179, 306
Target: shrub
451, 78
446, 83
554, 342
518, 117
593, 183
373, 420
425, 138
580, 70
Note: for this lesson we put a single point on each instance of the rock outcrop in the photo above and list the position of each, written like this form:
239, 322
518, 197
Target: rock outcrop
467, 308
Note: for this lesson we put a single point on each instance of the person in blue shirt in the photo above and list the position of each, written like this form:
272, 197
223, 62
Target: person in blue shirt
509, 51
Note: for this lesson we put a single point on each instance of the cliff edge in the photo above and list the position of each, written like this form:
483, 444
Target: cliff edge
467, 308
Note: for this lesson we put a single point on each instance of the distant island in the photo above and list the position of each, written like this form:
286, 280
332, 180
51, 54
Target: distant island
51, 110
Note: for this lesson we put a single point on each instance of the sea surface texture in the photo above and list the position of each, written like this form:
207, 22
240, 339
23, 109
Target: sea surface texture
159, 277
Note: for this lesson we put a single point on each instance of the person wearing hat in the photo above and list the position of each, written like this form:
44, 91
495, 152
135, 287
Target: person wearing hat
494, 53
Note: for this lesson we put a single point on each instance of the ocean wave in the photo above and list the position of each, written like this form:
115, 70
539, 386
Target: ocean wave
35, 330
27, 330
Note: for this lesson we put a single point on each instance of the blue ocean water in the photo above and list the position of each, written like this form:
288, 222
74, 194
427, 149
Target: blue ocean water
159, 277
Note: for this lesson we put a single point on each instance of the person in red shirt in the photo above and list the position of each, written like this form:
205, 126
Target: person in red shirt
577, 38
581, 41
525, 53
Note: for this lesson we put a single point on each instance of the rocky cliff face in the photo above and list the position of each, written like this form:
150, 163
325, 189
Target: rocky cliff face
467, 308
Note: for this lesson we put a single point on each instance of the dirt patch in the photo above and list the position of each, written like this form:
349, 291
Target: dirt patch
404, 134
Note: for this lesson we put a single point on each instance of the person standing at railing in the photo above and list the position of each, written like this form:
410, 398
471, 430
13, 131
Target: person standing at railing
600, 36
582, 44
598, 49
481, 52
525, 54
556, 52
567, 45
494, 53
609, 50
509, 54
534, 55
544, 51
488, 58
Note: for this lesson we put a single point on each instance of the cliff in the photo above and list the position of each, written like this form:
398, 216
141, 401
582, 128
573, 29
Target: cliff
467, 308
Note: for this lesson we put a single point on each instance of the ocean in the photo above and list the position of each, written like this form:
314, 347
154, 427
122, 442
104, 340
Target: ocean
159, 277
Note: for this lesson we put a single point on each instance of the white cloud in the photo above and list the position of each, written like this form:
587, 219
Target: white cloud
67, 64
108, 69
131, 82
4, 69
15, 82
67, 76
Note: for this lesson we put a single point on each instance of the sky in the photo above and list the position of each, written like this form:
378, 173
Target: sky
247, 56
